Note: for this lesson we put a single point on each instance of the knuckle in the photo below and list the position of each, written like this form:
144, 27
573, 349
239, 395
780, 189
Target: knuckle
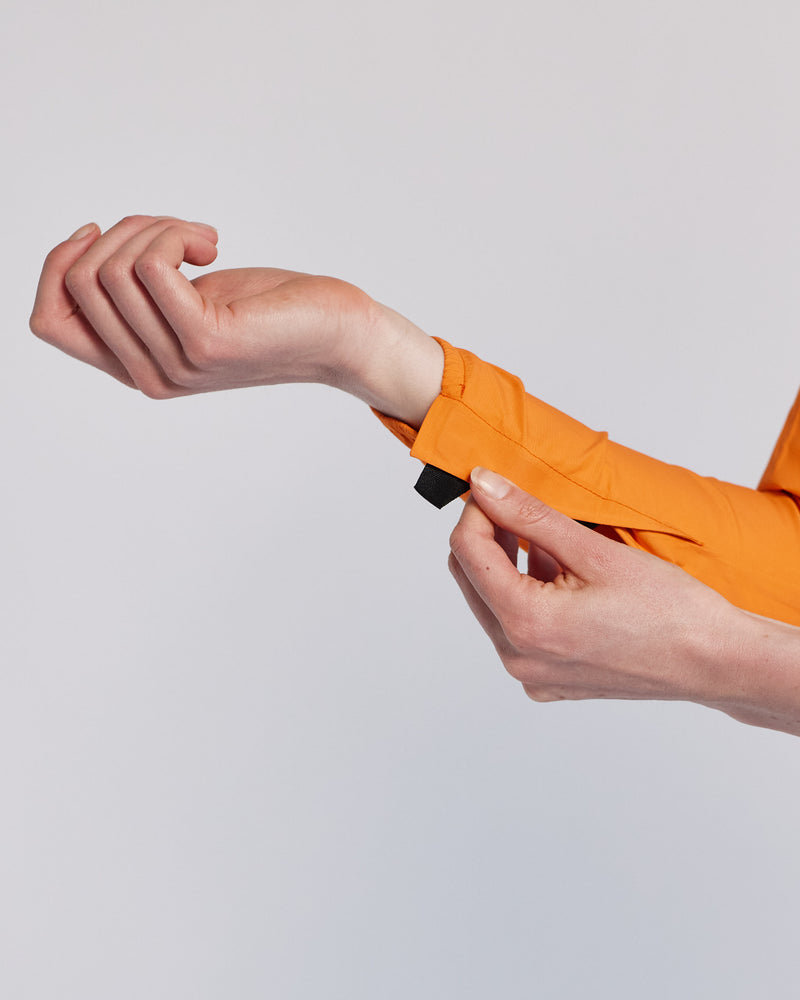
39, 326
79, 277
172, 370
158, 392
154, 386
516, 666
458, 540
183, 376
135, 220
541, 693
452, 564
148, 265
112, 273
55, 255
532, 511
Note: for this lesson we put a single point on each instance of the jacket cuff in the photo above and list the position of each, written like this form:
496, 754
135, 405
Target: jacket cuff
437, 485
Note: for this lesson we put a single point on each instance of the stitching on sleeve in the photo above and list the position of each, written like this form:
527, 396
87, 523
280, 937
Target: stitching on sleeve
600, 496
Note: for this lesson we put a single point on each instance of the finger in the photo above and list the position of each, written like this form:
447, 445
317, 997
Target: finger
488, 622
55, 318
53, 304
578, 550
137, 307
508, 542
542, 566
84, 285
157, 268
51, 295
101, 249
486, 563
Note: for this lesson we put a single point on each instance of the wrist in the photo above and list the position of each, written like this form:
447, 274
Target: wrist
757, 666
393, 366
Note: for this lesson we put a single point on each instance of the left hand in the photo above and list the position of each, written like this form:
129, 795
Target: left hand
592, 618
119, 301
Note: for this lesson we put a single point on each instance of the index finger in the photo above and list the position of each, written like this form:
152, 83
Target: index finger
486, 563
55, 319
575, 547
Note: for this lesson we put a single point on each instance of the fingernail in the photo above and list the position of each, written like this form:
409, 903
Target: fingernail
490, 483
84, 231
205, 225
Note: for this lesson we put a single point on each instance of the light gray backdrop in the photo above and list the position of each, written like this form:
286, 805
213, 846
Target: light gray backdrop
252, 743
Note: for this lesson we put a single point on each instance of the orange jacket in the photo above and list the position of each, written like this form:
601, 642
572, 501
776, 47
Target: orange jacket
744, 543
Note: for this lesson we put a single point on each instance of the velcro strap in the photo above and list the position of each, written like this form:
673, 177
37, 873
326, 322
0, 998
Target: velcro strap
439, 487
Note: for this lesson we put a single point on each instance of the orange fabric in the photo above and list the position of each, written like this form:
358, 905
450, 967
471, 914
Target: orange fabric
744, 543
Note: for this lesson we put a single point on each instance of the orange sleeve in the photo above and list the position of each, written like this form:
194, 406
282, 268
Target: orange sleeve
744, 543
783, 470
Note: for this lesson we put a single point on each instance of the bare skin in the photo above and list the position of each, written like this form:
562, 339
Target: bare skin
118, 301
594, 619
590, 619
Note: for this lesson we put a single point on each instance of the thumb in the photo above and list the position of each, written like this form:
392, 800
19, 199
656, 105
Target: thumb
575, 547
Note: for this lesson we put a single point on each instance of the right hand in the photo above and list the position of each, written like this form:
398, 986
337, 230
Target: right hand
592, 618
117, 300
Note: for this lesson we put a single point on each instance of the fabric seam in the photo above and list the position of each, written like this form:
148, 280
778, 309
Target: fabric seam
672, 528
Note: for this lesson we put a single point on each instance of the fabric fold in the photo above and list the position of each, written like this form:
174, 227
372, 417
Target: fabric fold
744, 543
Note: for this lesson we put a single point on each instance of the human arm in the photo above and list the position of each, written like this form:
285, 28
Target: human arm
595, 619
118, 301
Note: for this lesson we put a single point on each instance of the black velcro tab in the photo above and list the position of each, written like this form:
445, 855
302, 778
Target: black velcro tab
439, 487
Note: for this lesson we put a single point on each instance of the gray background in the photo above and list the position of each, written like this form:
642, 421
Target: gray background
251, 742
